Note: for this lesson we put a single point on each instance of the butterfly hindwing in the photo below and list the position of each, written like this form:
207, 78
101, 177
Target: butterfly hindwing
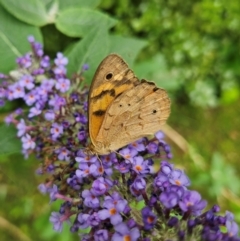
136, 113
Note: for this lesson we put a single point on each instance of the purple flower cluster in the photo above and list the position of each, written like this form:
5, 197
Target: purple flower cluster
120, 196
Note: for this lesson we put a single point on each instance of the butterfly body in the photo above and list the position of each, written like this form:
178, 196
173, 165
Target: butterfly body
122, 108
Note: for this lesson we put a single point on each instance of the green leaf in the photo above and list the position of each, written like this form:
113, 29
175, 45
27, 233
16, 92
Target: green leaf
9, 143
224, 175
203, 94
230, 95
63, 4
77, 22
155, 69
128, 48
32, 11
13, 39
91, 50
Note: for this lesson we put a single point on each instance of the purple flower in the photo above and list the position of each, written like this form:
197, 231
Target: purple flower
48, 84
17, 91
34, 111
28, 142
56, 130
43, 188
60, 70
9, 93
53, 192
99, 170
43, 93
85, 170
27, 82
173, 221
38, 49
128, 153
9, 119
113, 212
152, 148
101, 235
3, 92
94, 220
49, 115
169, 199
83, 220
139, 184
85, 67
231, 225
57, 101
56, 219
115, 199
90, 200
138, 145
61, 60
25, 153
166, 167
100, 186
80, 118
82, 135
25, 61
85, 158
63, 154
38, 71
45, 62
179, 190
159, 135
31, 97
109, 160
149, 218
31, 39
123, 167
179, 178
18, 111
21, 126
63, 85
161, 181
123, 232
191, 201
140, 166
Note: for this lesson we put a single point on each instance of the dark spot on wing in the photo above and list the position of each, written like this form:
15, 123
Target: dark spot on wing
109, 76
110, 92
99, 112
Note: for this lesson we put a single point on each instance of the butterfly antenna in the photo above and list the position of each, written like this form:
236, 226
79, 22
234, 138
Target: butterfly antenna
122, 156
100, 162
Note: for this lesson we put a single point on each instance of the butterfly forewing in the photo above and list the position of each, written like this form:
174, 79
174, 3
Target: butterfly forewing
112, 78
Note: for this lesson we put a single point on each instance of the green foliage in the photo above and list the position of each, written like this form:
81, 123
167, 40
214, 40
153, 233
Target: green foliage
215, 178
9, 143
198, 39
77, 22
13, 34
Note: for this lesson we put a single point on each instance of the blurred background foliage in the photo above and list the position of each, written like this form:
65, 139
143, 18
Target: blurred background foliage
190, 48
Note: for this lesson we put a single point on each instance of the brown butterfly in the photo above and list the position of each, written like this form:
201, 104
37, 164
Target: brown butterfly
122, 109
